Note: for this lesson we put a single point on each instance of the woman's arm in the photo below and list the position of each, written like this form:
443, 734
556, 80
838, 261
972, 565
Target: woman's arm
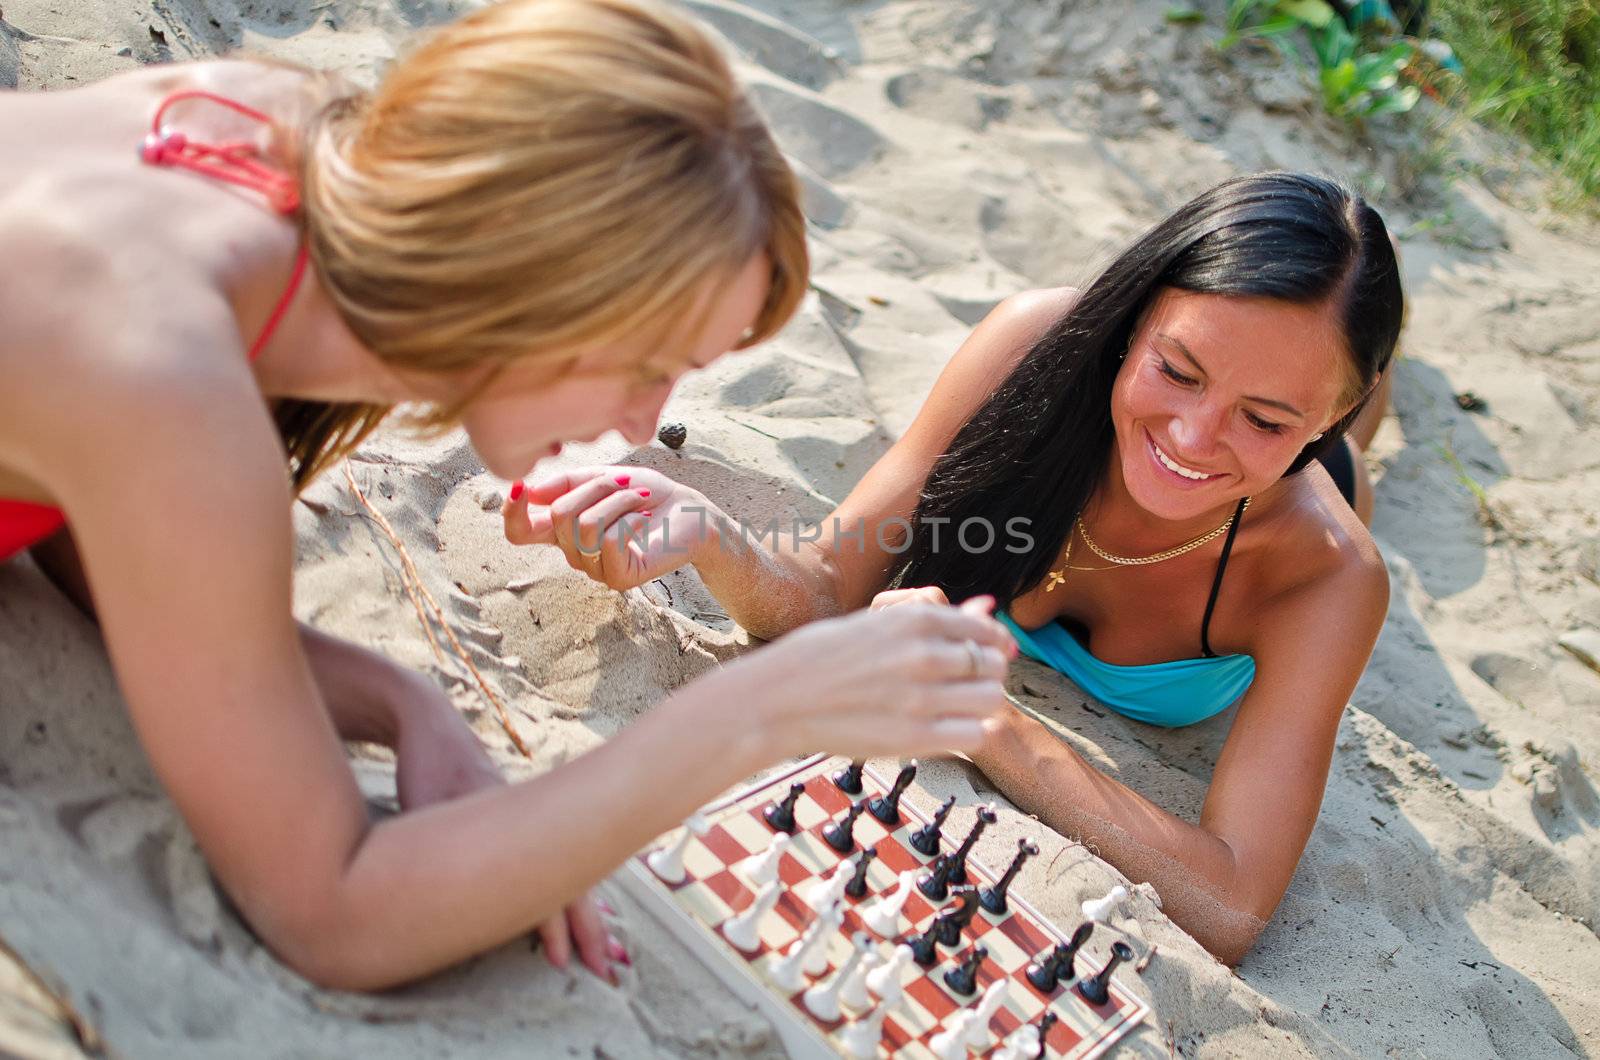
1221, 878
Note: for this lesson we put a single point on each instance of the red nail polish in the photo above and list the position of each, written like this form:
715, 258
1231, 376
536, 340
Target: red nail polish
516, 490
623, 480
644, 493
645, 514
605, 906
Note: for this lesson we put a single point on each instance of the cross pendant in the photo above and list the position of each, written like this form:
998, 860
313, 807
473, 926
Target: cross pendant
1057, 577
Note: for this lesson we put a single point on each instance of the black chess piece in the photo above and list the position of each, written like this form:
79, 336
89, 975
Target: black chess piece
780, 815
857, 887
936, 883
887, 807
841, 834
1065, 972
1042, 972
1095, 990
994, 898
849, 778
925, 840
952, 922
963, 978
986, 817
1048, 1020
924, 948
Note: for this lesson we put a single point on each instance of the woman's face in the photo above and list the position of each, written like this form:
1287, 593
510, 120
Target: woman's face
528, 411
1218, 394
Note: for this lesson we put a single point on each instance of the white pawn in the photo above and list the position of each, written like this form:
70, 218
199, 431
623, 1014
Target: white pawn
885, 981
828, 892
1101, 908
951, 1043
744, 930
761, 869
824, 996
1021, 1044
860, 1037
667, 862
883, 917
983, 1012
789, 971
853, 991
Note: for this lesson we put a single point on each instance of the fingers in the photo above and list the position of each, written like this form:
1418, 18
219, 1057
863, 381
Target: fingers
971, 621
557, 940
927, 594
590, 936
549, 488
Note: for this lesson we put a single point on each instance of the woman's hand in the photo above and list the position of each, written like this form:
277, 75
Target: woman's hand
927, 594
915, 679
622, 526
439, 758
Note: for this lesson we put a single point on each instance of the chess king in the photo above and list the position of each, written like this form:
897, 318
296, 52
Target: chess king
1181, 441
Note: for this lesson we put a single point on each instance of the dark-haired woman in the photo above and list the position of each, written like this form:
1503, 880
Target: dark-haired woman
1181, 548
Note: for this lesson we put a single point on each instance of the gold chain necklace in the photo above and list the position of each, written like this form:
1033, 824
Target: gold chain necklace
1059, 575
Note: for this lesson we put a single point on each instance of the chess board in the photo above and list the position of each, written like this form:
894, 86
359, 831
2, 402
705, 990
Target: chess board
716, 889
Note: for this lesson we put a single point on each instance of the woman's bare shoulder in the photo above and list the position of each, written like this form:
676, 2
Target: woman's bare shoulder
1314, 547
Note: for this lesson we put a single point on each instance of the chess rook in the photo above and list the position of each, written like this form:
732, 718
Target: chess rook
887, 807
925, 840
841, 834
1096, 991
994, 898
963, 978
958, 866
848, 779
857, 885
780, 815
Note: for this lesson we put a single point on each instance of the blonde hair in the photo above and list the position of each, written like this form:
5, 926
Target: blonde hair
539, 176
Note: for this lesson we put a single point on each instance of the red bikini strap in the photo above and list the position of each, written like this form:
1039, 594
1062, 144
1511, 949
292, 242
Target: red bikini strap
235, 162
283, 304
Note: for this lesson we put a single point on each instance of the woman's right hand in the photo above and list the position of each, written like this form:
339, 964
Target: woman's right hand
915, 679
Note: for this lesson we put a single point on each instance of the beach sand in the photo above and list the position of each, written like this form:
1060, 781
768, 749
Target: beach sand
953, 153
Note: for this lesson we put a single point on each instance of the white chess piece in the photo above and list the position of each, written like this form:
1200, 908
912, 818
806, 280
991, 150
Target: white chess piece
761, 869
860, 1037
744, 929
951, 1043
823, 998
1101, 908
790, 970
853, 991
885, 981
667, 862
983, 1012
816, 958
1021, 1044
883, 917
829, 891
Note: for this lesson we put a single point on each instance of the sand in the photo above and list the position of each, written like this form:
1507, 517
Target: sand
954, 152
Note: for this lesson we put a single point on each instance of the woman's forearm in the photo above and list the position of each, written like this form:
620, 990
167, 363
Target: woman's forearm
768, 590
1193, 870
431, 887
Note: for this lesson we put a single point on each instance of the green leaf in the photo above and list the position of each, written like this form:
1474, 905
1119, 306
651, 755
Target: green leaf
1185, 15
1316, 13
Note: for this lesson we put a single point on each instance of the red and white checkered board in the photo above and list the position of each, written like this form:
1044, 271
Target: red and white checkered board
717, 887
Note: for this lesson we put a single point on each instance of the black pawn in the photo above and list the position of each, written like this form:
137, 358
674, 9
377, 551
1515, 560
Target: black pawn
887, 807
986, 817
994, 898
925, 840
857, 887
1065, 972
936, 884
963, 978
951, 922
780, 815
841, 834
924, 948
1048, 1020
1042, 972
849, 779
1094, 990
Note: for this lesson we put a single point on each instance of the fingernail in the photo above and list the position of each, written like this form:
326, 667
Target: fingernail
605, 907
645, 514
623, 480
644, 493
516, 489
617, 951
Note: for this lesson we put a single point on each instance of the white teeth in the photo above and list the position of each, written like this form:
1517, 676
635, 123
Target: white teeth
1171, 465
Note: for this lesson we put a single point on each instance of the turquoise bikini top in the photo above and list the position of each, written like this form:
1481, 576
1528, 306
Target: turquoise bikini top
1171, 694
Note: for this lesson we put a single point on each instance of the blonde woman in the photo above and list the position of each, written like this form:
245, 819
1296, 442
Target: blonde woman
208, 265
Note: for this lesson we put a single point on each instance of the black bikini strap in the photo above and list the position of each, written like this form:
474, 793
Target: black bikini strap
1216, 582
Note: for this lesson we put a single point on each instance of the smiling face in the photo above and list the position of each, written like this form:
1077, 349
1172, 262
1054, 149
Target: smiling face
1218, 395
530, 409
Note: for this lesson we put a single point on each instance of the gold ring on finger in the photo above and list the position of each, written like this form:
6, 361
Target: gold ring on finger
974, 658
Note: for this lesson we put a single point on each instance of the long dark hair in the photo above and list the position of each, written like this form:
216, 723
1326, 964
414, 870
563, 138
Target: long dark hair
1038, 447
